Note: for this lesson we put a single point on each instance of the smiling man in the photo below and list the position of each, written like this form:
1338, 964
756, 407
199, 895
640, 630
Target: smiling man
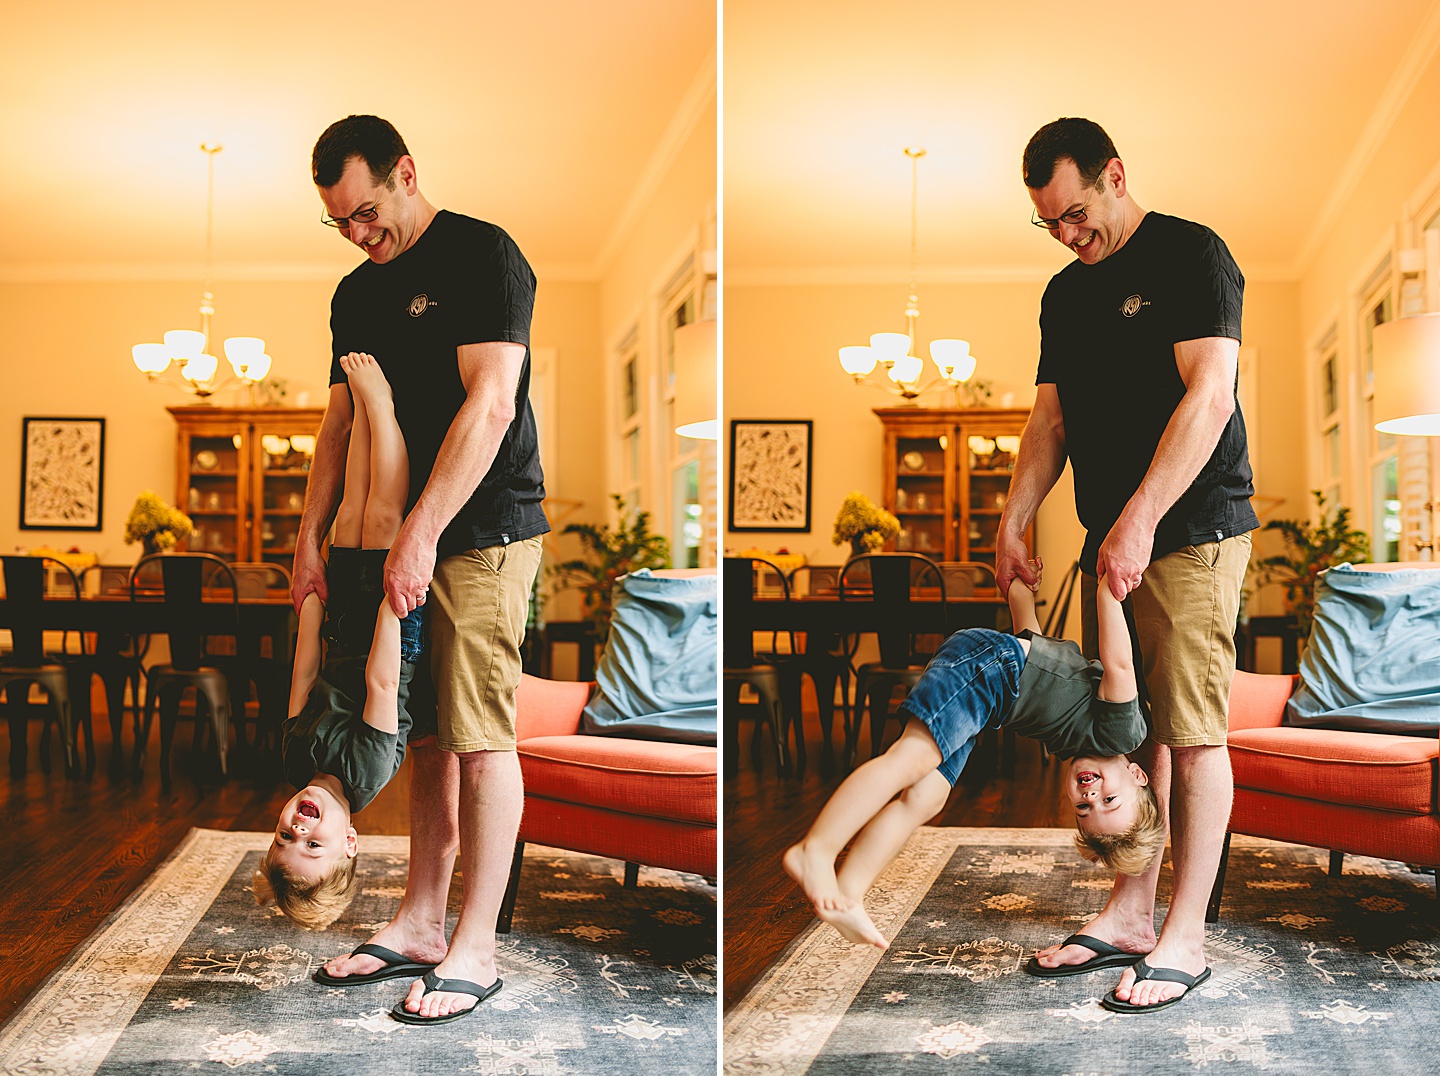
1140, 340
443, 302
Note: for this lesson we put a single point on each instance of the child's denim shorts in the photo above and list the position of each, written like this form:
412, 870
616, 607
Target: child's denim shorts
356, 585
971, 683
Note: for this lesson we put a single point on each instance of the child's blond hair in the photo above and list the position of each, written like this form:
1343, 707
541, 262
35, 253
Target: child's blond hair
1132, 851
312, 905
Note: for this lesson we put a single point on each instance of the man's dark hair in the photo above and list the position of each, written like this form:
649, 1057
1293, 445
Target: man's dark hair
1082, 141
373, 140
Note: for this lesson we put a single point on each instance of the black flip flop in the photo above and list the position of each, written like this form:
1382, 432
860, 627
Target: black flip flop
1107, 956
1169, 975
396, 965
435, 984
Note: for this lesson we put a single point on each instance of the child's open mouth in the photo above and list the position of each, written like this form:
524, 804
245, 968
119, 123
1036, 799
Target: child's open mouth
1086, 777
308, 809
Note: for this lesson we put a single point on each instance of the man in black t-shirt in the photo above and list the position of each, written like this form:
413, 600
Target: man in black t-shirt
1140, 340
443, 303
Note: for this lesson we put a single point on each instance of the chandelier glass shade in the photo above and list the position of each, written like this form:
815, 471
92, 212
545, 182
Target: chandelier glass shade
185, 355
896, 352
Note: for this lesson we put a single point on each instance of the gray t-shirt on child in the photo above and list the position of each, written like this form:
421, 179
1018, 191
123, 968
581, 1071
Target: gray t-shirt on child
1059, 703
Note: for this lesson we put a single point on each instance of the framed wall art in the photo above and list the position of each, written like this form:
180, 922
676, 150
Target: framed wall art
770, 474
62, 474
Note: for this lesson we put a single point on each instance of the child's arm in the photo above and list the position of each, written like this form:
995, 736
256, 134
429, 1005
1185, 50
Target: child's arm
307, 652
1022, 602
1118, 683
382, 673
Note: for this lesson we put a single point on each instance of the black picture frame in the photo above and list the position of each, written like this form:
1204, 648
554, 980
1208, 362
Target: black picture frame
771, 474
62, 473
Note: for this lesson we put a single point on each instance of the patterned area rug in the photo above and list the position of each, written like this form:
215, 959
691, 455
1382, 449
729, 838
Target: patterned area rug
191, 975
1310, 973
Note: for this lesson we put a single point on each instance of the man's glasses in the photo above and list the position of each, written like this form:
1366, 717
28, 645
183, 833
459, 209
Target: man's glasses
1075, 216
360, 216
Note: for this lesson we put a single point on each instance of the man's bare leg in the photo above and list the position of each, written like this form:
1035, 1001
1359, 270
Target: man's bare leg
307, 652
418, 929
492, 796
1128, 919
1199, 812
876, 847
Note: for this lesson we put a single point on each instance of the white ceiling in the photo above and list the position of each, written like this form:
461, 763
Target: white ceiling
1252, 116
545, 116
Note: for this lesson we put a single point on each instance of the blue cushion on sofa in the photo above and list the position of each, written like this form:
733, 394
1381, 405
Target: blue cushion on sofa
1373, 660
657, 676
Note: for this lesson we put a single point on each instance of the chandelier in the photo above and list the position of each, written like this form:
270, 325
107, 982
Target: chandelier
185, 354
894, 353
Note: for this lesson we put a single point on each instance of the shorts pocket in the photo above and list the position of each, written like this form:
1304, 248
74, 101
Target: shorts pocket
492, 557
1207, 553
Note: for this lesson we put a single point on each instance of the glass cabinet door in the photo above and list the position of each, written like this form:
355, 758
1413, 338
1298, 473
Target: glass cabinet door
919, 497
987, 463
214, 500
283, 454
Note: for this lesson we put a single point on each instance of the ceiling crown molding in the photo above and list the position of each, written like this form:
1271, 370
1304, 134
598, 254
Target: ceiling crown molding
1402, 84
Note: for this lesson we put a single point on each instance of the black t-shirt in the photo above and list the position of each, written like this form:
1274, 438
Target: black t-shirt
1107, 342
463, 282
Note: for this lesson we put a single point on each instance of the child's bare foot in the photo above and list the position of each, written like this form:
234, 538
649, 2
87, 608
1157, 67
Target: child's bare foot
855, 923
815, 872
367, 380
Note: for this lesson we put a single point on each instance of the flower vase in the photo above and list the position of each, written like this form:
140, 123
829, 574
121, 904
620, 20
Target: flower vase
857, 545
148, 546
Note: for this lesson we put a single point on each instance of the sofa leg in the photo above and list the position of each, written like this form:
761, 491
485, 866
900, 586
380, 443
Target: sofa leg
632, 875
1212, 911
1337, 864
512, 887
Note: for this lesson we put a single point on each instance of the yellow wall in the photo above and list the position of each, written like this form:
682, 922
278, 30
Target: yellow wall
780, 363
66, 350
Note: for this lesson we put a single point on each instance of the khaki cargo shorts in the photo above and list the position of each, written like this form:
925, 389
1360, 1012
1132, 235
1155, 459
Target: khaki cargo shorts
1182, 618
476, 612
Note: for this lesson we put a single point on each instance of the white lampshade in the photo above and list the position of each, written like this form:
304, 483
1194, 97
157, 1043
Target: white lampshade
250, 368
151, 358
695, 375
889, 347
1407, 376
200, 369
185, 343
857, 360
242, 350
953, 358
906, 370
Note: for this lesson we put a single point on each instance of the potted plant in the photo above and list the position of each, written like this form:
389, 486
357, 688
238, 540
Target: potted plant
155, 524
1309, 550
609, 554
863, 524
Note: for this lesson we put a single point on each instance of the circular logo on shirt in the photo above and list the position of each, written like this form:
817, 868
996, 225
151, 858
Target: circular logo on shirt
1130, 307
421, 301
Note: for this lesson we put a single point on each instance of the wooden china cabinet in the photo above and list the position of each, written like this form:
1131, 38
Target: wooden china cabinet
240, 475
946, 478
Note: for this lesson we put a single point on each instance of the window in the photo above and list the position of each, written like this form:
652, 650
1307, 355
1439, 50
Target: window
630, 420
1382, 471
1328, 404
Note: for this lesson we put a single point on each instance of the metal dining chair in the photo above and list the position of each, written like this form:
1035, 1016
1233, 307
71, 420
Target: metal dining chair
826, 659
28, 663
888, 581
184, 577
117, 658
742, 667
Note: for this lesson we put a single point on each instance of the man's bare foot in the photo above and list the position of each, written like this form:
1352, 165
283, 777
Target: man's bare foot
1189, 958
367, 380
421, 946
1131, 937
477, 969
815, 873
855, 923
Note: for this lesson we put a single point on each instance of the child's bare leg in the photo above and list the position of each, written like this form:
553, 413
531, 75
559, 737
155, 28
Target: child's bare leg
878, 844
389, 462
382, 673
307, 652
860, 797
350, 517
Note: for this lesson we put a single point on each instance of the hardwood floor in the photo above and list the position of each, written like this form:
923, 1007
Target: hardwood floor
74, 850
765, 814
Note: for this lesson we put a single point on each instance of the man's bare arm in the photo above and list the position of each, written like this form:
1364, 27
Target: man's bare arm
1038, 467
322, 496
490, 373
1118, 683
1207, 367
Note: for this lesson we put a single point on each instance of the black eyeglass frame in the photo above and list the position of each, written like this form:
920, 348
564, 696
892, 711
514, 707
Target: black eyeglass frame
1072, 218
360, 216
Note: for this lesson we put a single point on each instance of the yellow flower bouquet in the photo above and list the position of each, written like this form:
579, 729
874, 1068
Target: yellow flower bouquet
155, 523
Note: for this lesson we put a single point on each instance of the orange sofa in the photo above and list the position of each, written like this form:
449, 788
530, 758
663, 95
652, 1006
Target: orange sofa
643, 801
1361, 792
